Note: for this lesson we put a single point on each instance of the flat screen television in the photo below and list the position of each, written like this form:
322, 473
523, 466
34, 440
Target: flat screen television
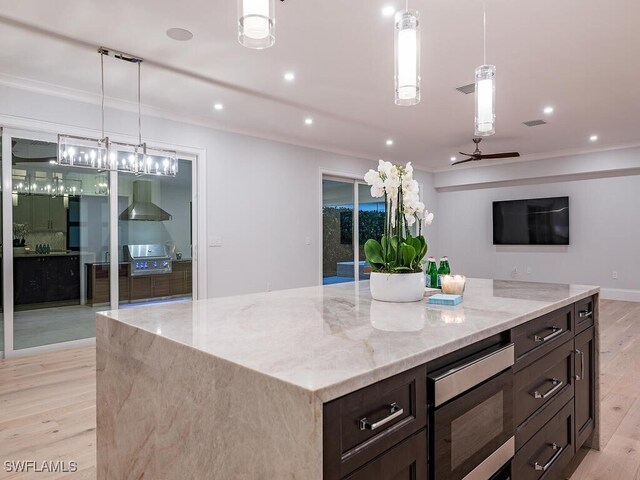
536, 221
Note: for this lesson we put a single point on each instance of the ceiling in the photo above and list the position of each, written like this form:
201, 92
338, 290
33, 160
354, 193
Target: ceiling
579, 56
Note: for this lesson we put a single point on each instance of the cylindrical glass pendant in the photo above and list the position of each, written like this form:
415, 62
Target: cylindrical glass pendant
485, 100
407, 47
256, 22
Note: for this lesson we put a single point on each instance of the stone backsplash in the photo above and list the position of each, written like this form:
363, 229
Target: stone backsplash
56, 240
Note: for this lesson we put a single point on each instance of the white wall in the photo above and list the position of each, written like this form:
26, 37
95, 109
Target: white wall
604, 223
262, 196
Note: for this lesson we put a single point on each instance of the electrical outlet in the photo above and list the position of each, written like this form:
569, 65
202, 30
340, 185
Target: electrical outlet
307, 240
268, 286
514, 272
529, 271
614, 275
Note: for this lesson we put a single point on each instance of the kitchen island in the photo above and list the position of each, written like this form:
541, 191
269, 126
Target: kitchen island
285, 384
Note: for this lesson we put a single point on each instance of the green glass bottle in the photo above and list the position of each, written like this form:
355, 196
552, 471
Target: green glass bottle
432, 273
447, 267
442, 269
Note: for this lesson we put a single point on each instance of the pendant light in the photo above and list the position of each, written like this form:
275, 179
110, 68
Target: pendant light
256, 22
407, 57
485, 83
103, 154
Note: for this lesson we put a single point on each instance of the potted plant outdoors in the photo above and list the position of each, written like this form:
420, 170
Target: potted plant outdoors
397, 259
20, 231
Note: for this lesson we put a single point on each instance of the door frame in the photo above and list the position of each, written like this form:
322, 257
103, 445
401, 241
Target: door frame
356, 180
12, 126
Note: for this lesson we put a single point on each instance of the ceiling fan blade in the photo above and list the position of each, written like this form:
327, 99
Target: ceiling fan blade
470, 159
467, 154
490, 156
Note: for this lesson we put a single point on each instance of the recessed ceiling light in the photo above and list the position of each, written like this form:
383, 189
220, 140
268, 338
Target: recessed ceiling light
548, 110
388, 10
289, 76
389, 142
218, 106
308, 121
179, 34
453, 159
593, 138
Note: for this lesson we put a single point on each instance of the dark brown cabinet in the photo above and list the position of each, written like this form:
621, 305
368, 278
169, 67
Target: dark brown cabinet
181, 278
46, 279
98, 283
550, 449
364, 424
377, 433
142, 287
585, 401
406, 461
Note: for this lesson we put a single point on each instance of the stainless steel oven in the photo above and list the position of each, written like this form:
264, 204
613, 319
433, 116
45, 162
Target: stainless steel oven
471, 416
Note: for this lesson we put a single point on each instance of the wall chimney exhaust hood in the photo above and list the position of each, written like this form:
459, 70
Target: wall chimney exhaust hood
141, 208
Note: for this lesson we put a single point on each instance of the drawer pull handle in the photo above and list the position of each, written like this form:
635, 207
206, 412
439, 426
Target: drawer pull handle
581, 376
585, 314
551, 461
396, 411
555, 332
557, 385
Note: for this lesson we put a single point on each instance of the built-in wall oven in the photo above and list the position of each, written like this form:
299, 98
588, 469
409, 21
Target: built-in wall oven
471, 416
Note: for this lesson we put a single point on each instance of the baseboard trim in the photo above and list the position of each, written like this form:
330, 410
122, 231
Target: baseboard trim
619, 294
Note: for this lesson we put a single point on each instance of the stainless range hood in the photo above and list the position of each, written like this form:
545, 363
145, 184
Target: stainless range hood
142, 208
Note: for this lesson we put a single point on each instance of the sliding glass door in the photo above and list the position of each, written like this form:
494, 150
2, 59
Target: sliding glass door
350, 216
61, 228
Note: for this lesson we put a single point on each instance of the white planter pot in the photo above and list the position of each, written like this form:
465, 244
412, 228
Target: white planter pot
397, 287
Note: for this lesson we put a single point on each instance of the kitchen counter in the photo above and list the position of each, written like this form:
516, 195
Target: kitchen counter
264, 364
52, 254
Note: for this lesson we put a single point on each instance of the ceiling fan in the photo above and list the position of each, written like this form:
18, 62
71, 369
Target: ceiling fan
478, 155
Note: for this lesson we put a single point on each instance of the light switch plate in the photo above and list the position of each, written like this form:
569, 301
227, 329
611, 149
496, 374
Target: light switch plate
215, 241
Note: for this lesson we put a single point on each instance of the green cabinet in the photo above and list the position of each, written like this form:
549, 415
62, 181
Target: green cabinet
42, 212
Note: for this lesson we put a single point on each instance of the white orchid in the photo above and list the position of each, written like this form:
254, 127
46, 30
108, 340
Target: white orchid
428, 217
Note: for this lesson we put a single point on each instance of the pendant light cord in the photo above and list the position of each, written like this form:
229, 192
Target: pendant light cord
102, 90
484, 32
139, 110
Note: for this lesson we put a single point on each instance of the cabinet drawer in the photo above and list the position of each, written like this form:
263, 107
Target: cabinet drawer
585, 310
541, 389
362, 425
538, 337
406, 461
549, 450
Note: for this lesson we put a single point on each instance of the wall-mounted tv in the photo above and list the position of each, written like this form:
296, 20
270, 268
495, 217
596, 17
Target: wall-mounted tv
536, 221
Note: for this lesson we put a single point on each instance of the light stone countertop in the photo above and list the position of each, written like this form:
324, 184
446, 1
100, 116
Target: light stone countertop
333, 340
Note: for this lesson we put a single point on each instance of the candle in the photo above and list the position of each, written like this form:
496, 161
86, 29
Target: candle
453, 284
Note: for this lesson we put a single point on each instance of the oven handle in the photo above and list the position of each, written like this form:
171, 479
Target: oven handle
396, 411
493, 462
552, 460
460, 379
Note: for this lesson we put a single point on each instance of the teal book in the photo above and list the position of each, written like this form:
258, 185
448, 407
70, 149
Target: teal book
444, 299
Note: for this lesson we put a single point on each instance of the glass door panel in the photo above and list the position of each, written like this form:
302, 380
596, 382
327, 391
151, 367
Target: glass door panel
154, 237
371, 214
60, 245
337, 232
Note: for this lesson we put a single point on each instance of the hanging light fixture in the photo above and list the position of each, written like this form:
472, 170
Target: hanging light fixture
407, 57
485, 80
256, 23
103, 154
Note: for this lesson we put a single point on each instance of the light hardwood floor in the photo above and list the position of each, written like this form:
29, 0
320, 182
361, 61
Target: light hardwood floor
47, 405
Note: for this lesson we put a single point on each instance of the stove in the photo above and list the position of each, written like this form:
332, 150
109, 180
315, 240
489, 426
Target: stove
147, 259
